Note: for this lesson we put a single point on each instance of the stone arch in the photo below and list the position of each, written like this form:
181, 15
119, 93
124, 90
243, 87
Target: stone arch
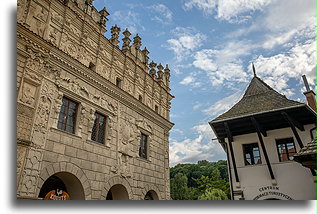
67, 167
114, 181
150, 188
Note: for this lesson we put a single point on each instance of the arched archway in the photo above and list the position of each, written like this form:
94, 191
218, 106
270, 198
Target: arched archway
117, 192
150, 192
63, 181
151, 195
117, 188
73, 177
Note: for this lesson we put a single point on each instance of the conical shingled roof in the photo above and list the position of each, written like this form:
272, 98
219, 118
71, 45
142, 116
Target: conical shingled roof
258, 98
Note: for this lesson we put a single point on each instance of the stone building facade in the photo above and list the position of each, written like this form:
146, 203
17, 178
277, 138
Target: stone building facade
69, 77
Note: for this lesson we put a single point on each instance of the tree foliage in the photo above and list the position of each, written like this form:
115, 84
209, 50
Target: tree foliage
213, 194
195, 181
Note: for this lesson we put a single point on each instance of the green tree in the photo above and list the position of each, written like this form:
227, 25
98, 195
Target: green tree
179, 189
213, 194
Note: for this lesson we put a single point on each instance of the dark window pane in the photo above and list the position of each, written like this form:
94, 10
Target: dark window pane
286, 149
251, 154
143, 146
98, 130
67, 116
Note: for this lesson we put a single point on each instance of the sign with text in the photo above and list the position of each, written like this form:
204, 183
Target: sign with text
57, 195
271, 192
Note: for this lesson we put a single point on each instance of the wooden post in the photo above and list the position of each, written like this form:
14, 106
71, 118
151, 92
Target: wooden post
257, 127
292, 124
230, 140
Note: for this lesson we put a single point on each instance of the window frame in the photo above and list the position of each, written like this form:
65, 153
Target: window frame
97, 130
145, 146
64, 128
252, 157
285, 141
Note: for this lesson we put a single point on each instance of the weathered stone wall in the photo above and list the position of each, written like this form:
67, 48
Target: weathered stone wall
62, 52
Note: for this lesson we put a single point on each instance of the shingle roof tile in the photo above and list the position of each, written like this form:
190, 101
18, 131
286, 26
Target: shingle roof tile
259, 97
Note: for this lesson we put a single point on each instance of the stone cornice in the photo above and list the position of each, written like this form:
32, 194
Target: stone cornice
79, 70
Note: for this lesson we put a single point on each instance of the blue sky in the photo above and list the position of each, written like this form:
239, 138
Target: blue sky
209, 46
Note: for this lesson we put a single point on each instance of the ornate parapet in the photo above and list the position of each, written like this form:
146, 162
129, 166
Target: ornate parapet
77, 28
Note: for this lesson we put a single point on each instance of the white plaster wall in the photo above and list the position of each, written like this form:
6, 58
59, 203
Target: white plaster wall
292, 178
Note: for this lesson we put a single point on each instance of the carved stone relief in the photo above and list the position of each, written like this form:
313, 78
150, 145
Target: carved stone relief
74, 86
126, 139
35, 64
68, 46
105, 54
106, 104
84, 56
127, 135
21, 10
148, 87
21, 153
37, 23
30, 172
103, 70
91, 118
129, 86
56, 18
148, 101
43, 112
130, 70
156, 94
123, 166
28, 94
24, 121
54, 36
117, 64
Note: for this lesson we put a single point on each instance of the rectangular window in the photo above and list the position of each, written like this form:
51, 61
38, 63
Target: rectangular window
99, 128
118, 82
67, 116
285, 149
143, 146
251, 154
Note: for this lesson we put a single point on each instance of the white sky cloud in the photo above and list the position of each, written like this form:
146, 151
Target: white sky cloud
224, 65
281, 22
277, 70
128, 19
229, 10
185, 41
187, 80
201, 147
223, 105
162, 13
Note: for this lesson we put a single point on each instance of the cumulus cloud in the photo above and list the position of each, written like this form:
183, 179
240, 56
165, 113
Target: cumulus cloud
282, 22
162, 13
224, 66
201, 147
233, 11
187, 80
277, 70
185, 41
223, 105
207, 6
128, 19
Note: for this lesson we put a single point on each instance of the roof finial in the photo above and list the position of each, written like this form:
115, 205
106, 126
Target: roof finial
254, 72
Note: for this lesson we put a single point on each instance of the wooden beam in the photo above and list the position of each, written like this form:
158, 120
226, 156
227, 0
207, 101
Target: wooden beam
259, 127
291, 120
230, 139
292, 125
256, 125
222, 141
228, 132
